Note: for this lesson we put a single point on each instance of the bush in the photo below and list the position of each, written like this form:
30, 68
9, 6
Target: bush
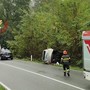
80, 63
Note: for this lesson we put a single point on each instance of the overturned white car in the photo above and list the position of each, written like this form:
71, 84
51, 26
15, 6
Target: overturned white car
51, 56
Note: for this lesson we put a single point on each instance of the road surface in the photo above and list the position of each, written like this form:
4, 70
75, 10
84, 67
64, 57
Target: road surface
24, 75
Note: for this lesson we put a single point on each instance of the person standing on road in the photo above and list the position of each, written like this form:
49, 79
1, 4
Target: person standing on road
65, 60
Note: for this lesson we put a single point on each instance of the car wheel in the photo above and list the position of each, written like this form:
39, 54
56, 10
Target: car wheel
11, 58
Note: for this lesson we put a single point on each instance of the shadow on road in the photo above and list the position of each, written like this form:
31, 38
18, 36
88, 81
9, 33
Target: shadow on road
88, 87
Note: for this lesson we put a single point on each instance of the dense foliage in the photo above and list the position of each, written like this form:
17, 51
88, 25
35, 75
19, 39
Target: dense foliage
35, 25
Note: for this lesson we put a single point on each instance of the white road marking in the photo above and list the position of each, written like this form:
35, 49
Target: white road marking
43, 76
7, 88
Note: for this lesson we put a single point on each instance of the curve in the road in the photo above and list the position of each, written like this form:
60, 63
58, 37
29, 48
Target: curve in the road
43, 76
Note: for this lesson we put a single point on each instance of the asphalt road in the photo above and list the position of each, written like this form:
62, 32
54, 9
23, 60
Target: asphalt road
23, 75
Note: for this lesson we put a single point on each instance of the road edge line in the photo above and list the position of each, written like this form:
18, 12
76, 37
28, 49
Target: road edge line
62, 82
7, 88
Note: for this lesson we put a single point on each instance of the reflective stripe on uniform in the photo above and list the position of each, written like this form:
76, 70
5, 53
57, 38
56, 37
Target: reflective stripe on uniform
68, 70
65, 71
66, 59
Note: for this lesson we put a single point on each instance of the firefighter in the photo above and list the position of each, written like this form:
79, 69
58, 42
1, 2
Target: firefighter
65, 60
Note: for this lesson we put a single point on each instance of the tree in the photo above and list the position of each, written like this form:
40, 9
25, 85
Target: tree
52, 23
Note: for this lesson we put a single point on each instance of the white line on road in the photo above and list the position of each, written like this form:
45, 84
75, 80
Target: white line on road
43, 76
4, 86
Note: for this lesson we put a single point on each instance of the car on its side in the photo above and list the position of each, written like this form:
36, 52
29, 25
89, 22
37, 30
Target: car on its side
6, 54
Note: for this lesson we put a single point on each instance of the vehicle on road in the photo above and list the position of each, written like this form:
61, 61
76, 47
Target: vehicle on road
86, 53
6, 54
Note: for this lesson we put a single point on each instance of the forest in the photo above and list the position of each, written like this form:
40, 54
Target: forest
35, 25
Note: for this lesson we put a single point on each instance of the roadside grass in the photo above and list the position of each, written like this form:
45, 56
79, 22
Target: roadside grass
60, 65
76, 68
28, 59
71, 67
2, 88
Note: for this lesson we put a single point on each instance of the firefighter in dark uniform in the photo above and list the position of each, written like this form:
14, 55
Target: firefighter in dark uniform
65, 60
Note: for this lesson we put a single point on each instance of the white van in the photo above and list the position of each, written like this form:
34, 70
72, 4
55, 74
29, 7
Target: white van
86, 53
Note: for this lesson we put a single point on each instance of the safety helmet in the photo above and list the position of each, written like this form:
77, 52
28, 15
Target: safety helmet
64, 52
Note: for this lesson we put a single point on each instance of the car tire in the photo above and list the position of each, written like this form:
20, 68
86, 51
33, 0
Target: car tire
11, 58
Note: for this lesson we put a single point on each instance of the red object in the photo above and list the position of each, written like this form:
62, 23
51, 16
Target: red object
4, 28
86, 33
88, 44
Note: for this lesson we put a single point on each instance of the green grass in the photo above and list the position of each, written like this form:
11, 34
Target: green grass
2, 88
38, 61
71, 67
76, 68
